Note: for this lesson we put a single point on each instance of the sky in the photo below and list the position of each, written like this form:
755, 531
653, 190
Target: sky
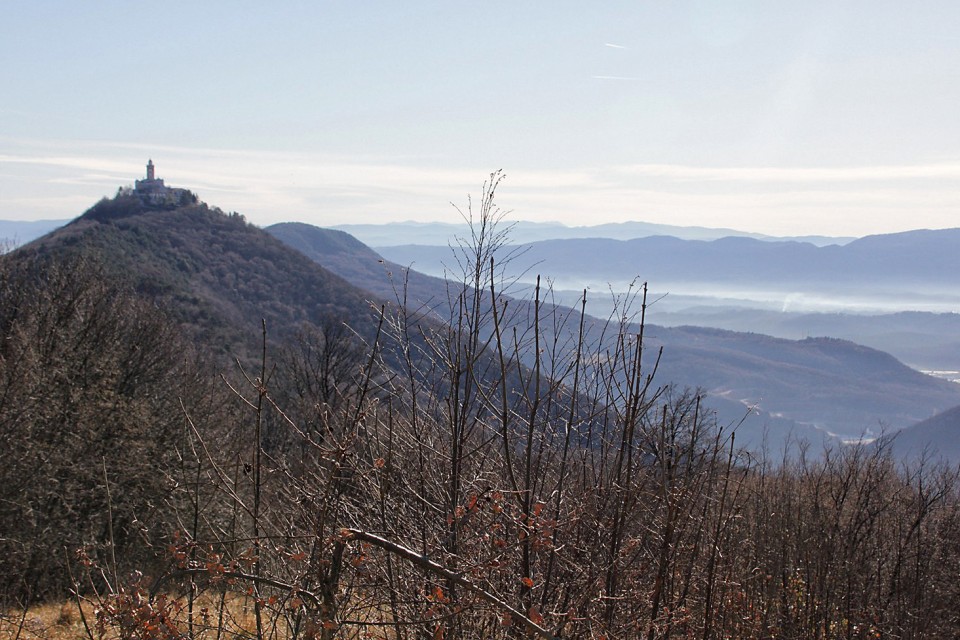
788, 118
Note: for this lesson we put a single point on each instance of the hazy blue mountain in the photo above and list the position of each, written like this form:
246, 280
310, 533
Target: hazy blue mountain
442, 234
936, 439
877, 274
341, 253
840, 386
14, 233
929, 257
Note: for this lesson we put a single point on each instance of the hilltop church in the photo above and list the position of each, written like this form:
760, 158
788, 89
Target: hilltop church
152, 191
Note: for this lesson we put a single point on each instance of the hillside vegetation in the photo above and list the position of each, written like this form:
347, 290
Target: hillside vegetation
476, 478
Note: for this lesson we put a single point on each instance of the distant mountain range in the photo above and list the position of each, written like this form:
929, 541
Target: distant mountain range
13, 233
861, 291
836, 386
443, 234
438, 233
919, 261
923, 340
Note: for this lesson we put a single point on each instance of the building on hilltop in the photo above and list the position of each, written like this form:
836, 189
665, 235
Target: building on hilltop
152, 191
150, 184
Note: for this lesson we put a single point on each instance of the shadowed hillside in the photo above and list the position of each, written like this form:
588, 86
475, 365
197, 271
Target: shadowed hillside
936, 439
214, 273
116, 329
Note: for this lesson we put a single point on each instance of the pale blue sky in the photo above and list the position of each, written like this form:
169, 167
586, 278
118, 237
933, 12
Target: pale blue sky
815, 117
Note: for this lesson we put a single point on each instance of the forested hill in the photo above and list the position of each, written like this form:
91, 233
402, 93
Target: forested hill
116, 332
212, 272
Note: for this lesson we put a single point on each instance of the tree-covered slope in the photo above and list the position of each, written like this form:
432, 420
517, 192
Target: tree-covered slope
214, 273
114, 332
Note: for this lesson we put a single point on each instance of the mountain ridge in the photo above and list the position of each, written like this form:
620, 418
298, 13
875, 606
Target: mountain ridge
220, 275
908, 257
399, 233
740, 367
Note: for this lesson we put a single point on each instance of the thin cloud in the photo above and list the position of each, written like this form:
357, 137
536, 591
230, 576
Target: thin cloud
796, 174
613, 78
47, 181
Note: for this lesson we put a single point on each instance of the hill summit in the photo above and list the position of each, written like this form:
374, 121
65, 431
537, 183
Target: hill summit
149, 193
212, 272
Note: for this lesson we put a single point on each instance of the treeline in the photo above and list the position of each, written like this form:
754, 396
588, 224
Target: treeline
479, 478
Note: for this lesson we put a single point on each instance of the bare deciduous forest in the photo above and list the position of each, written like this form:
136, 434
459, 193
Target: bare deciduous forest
485, 477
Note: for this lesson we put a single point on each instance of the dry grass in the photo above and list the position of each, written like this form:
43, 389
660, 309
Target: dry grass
52, 621
62, 621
